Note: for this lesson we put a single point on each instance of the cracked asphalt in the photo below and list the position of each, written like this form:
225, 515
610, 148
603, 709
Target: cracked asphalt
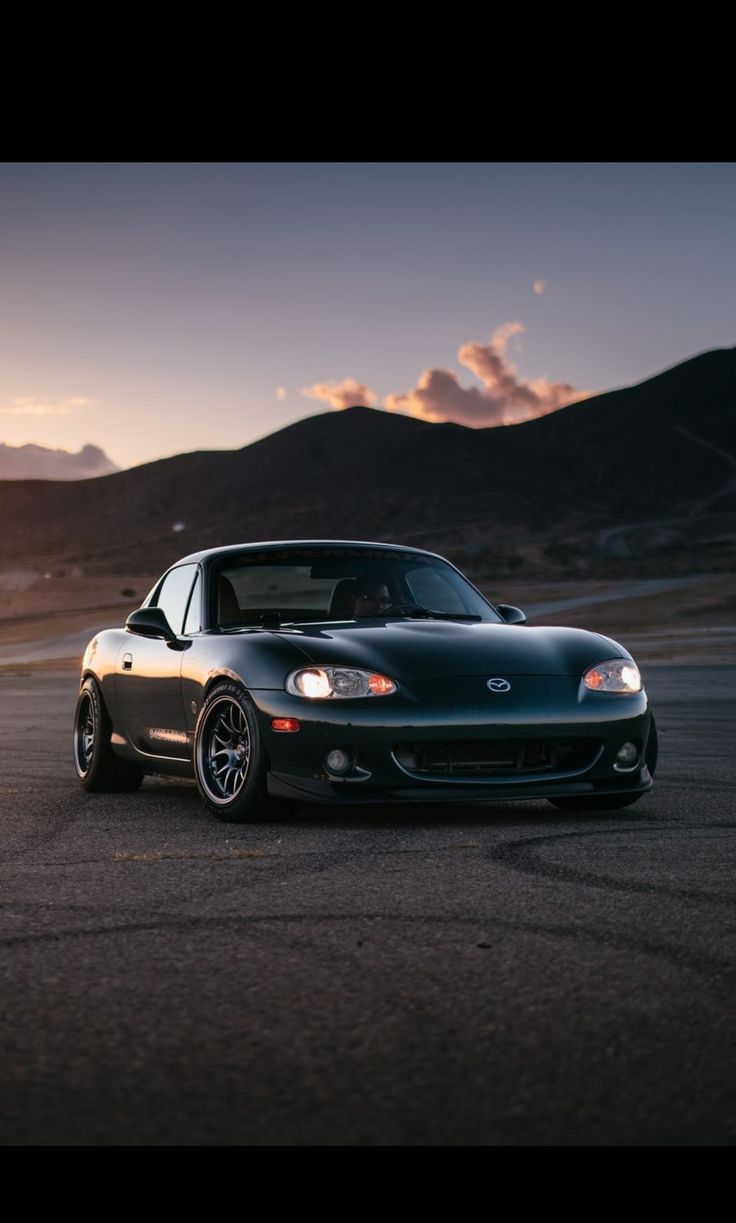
501, 974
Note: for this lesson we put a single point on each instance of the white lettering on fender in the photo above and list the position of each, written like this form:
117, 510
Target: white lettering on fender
167, 736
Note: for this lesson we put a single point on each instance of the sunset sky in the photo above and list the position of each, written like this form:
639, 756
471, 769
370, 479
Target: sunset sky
158, 308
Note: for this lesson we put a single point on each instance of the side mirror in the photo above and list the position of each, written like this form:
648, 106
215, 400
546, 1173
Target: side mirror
512, 615
150, 622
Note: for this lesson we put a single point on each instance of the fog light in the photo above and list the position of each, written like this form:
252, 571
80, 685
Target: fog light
338, 760
627, 756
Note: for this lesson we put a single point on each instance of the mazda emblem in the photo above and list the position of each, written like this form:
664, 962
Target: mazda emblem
499, 685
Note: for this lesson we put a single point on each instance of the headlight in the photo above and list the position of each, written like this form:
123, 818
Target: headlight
615, 675
320, 682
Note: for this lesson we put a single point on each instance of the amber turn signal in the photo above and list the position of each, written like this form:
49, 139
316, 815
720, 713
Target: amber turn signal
381, 685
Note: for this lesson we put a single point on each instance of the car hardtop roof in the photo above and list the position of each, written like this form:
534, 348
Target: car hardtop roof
235, 549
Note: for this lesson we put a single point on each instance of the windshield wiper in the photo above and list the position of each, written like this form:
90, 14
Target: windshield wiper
271, 619
416, 609
268, 619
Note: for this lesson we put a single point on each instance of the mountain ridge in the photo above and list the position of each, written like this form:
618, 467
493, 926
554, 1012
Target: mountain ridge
536, 493
33, 462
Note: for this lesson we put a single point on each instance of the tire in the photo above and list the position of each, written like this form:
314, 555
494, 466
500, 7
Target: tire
230, 761
613, 802
98, 768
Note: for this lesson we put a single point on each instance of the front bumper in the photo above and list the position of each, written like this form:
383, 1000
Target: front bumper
437, 712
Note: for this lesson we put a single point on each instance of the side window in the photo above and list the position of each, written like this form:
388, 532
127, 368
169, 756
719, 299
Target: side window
193, 622
173, 595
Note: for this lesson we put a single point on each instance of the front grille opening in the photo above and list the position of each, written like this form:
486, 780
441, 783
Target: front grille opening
486, 757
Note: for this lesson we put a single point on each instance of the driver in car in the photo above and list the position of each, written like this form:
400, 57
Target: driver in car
371, 600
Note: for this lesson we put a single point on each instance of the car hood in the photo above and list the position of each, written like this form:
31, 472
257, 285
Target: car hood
425, 648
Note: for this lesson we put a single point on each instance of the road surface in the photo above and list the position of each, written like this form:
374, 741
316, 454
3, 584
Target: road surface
484, 975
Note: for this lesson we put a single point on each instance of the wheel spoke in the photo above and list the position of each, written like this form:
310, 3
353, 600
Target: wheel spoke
85, 735
226, 751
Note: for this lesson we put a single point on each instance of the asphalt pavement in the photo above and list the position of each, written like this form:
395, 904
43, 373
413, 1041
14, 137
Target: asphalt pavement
500, 974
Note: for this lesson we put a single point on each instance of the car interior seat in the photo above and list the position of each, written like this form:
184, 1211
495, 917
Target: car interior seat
341, 603
228, 608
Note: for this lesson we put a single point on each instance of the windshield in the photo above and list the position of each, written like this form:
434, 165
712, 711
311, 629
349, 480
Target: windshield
319, 584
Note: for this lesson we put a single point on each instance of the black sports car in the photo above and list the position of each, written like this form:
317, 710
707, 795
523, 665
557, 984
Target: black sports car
330, 671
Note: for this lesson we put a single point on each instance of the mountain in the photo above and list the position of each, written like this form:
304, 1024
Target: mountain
40, 463
593, 488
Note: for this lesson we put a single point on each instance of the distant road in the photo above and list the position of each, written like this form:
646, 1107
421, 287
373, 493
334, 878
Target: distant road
621, 590
63, 645
494, 974
70, 645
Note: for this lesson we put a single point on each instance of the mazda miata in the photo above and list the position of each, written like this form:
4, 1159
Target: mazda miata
340, 672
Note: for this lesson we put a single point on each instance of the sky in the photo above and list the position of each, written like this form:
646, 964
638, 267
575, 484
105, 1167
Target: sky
158, 308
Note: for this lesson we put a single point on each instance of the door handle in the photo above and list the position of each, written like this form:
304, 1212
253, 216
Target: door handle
127, 662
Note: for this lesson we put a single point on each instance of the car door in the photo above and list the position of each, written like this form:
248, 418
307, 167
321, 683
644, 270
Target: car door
148, 673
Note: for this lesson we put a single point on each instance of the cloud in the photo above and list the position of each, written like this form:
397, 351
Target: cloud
345, 394
540, 286
39, 463
505, 398
29, 405
281, 392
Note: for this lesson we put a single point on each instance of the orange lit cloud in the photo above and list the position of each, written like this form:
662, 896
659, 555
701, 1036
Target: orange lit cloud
540, 286
345, 394
504, 399
29, 405
281, 392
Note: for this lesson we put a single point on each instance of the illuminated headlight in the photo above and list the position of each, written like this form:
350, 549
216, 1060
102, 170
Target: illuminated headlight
320, 682
616, 675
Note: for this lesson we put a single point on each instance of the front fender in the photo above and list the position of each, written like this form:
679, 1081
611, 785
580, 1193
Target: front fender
99, 662
255, 658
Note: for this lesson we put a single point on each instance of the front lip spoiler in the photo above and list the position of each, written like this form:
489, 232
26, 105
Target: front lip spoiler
315, 790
